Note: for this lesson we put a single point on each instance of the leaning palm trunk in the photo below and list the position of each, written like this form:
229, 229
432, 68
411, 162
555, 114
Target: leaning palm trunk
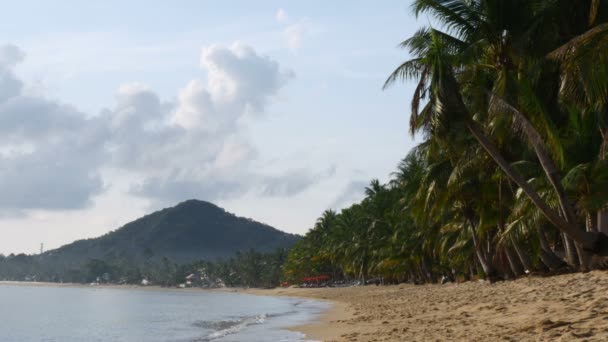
550, 169
547, 256
551, 214
602, 221
486, 264
552, 173
523, 256
602, 214
591, 222
570, 250
484, 260
450, 97
513, 262
584, 257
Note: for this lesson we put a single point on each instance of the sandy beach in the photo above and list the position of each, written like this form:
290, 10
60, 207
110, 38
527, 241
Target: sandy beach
572, 307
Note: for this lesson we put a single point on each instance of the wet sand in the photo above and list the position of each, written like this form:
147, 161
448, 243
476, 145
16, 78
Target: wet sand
571, 307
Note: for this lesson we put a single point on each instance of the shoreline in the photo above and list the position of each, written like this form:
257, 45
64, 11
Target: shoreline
569, 307
320, 328
328, 325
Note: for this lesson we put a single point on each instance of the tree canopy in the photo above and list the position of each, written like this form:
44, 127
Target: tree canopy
511, 176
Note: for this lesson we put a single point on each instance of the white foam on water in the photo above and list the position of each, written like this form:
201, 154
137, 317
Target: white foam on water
236, 328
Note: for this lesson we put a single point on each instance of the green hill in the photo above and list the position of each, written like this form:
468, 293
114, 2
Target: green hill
191, 230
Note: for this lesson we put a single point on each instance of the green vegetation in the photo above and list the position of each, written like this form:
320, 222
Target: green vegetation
249, 268
191, 230
163, 247
511, 176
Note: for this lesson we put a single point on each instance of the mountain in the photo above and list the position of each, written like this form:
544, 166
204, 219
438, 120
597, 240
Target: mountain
191, 230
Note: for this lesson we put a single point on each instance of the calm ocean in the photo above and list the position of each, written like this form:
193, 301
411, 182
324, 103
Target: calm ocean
64, 314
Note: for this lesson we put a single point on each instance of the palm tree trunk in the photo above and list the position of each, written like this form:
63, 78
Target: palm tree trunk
513, 262
549, 167
602, 221
602, 215
571, 255
449, 96
486, 266
589, 241
584, 257
552, 172
365, 267
523, 256
484, 261
428, 277
591, 222
546, 253
550, 260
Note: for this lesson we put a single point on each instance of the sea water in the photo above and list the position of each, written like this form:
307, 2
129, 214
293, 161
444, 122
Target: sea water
65, 314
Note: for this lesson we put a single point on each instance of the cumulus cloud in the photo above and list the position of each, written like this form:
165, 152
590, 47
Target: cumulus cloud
11, 55
55, 177
10, 86
240, 82
52, 155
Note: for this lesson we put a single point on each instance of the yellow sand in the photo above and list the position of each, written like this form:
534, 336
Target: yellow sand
570, 307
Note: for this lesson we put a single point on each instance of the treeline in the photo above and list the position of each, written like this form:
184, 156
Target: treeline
250, 269
512, 173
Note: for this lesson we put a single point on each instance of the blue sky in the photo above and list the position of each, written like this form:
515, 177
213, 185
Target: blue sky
271, 109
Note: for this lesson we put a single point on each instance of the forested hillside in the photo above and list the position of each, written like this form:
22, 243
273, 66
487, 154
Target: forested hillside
192, 231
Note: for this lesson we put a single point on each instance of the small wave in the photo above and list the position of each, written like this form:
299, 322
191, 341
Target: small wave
225, 328
217, 325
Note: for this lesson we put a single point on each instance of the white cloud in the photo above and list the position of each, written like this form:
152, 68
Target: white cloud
239, 76
11, 55
52, 156
52, 153
195, 109
10, 86
282, 16
233, 153
240, 82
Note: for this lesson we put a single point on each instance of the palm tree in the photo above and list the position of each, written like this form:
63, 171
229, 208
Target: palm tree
448, 65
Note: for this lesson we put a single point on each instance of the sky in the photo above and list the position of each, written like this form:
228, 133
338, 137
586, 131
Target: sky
273, 110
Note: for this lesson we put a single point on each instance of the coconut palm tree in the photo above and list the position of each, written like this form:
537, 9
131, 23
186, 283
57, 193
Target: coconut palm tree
488, 44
